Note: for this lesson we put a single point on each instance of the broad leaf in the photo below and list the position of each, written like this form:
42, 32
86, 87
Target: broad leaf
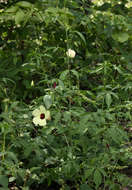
19, 17
120, 37
24, 4
3, 181
12, 9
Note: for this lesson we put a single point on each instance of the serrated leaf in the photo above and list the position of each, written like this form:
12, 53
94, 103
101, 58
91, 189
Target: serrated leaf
47, 101
97, 178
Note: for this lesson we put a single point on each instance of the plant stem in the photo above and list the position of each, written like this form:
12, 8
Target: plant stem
3, 146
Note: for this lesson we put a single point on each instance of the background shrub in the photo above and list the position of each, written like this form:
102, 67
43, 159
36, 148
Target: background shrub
87, 142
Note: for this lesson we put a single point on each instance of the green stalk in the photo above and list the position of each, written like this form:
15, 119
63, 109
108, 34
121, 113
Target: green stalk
3, 146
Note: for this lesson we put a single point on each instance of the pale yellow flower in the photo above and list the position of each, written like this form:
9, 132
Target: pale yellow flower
40, 116
71, 53
128, 4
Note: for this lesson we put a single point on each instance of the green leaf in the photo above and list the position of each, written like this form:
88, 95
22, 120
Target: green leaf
115, 132
35, 169
67, 187
3, 181
11, 179
12, 9
12, 156
25, 188
108, 99
85, 187
97, 178
81, 36
67, 116
120, 37
75, 73
88, 172
19, 17
25, 4
64, 74
47, 101
118, 69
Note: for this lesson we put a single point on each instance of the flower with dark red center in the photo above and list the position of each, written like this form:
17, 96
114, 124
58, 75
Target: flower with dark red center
40, 116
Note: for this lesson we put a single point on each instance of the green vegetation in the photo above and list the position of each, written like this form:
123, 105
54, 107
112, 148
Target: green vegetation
65, 95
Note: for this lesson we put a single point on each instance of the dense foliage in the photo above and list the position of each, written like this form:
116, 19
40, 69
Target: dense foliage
73, 58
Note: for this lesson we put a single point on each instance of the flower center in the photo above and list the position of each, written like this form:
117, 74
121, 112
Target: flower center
42, 116
54, 85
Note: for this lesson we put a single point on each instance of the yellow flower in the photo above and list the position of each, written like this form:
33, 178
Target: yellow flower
71, 53
40, 116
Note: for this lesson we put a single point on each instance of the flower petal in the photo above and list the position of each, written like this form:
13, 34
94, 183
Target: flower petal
36, 120
42, 122
42, 109
36, 112
47, 115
